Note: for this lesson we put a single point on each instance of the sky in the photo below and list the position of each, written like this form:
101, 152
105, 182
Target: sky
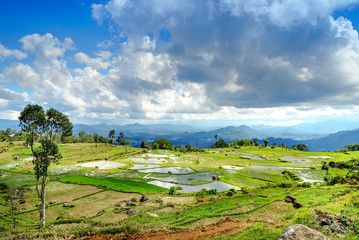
204, 62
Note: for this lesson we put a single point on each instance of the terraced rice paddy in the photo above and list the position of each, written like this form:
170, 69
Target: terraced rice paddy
99, 181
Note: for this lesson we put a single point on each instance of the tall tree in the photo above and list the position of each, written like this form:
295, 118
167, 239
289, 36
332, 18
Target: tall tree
46, 126
122, 140
12, 201
111, 135
266, 142
143, 143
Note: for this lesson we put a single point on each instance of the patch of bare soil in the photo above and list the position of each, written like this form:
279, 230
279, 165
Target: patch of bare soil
222, 227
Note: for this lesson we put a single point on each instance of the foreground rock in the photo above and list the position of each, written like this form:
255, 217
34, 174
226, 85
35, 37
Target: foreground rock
293, 200
143, 198
299, 231
334, 223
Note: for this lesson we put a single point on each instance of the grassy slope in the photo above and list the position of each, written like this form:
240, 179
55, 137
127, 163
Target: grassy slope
266, 204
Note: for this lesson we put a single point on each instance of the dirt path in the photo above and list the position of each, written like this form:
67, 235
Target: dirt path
224, 226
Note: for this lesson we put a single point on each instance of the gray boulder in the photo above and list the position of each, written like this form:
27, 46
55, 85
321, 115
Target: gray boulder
301, 232
131, 212
132, 204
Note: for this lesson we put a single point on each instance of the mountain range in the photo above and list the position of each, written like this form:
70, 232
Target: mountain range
196, 137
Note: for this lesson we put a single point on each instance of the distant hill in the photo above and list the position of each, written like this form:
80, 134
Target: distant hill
334, 141
183, 134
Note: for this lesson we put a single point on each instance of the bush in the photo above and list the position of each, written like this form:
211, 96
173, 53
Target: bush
230, 194
352, 174
212, 192
331, 179
172, 191
305, 185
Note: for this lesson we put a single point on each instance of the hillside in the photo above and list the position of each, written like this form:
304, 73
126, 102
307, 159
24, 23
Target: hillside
100, 191
185, 134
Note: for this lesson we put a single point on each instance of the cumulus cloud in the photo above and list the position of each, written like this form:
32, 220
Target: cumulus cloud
23, 74
246, 53
218, 59
92, 62
10, 95
5, 52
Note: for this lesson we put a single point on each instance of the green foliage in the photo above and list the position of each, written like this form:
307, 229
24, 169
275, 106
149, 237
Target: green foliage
155, 146
48, 126
44, 154
243, 142
300, 147
331, 179
305, 185
143, 143
220, 144
352, 174
121, 140
204, 192
111, 135
172, 191
352, 147
163, 143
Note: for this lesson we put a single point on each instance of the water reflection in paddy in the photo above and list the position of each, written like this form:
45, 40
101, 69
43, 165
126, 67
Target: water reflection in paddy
143, 166
101, 164
149, 160
188, 178
310, 176
220, 186
230, 167
173, 170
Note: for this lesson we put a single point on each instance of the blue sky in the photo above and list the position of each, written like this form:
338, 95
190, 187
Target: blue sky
274, 62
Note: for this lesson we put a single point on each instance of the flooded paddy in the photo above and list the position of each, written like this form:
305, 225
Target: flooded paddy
101, 164
188, 178
149, 160
171, 170
152, 155
219, 186
230, 167
310, 176
143, 166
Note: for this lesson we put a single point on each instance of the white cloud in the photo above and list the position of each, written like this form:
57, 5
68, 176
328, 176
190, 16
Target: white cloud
4, 53
9, 114
236, 60
7, 94
95, 63
24, 75
3, 81
286, 13
305, 74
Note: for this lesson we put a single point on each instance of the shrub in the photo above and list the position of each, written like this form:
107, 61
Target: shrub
172, 191
230, 194
304, 184
331, 179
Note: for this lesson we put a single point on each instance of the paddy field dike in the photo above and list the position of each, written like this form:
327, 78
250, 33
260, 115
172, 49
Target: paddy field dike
101, 191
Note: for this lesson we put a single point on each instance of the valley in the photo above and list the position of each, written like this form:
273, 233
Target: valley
102, 189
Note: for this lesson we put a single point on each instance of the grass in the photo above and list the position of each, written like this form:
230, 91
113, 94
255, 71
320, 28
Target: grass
259, 231
114, 184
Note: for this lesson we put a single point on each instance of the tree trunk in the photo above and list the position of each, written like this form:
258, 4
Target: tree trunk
43, 203
13, 215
